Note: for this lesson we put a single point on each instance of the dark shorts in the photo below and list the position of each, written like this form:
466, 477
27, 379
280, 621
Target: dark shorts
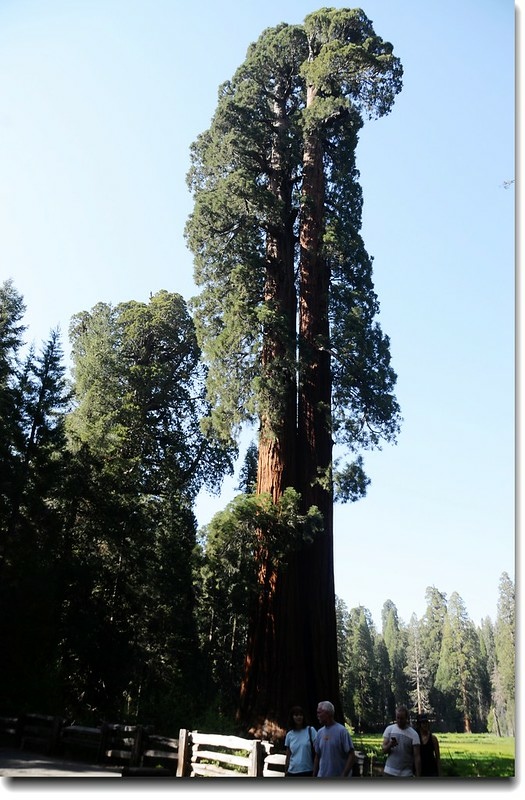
298, 774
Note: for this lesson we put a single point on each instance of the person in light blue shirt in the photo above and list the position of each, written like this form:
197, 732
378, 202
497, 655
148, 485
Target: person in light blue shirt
334, 749
299, 743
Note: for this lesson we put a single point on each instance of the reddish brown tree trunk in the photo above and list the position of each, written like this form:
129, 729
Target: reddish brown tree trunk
266, 678
314, 428
292, 647
277, 425
276, 459
266, 682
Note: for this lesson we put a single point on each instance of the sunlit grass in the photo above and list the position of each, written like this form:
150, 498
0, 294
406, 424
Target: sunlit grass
463, 755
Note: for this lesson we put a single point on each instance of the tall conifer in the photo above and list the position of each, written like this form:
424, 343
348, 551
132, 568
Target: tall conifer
286, 315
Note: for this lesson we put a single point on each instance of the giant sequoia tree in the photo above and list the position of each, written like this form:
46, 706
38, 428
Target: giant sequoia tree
286, 315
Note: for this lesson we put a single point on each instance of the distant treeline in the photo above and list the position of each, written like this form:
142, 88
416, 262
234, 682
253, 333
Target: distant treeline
442, 664
114, 607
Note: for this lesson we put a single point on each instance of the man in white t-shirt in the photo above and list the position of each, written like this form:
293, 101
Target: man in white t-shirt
403, 748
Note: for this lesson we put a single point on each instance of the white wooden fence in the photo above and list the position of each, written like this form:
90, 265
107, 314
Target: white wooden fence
215, 756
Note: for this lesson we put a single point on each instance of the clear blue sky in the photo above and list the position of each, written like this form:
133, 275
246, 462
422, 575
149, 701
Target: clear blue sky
99, 103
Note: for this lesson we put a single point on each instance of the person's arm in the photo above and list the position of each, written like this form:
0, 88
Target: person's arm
387, 744
316, 764
349, 763
287, 762
417, 759
437, 753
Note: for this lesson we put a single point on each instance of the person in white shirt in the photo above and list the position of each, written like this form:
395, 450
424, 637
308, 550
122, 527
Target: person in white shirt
402, 745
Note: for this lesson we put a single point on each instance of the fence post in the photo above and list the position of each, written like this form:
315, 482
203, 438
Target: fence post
184, 753
104, 734
136, 748
256, 760
58, 723
19, 730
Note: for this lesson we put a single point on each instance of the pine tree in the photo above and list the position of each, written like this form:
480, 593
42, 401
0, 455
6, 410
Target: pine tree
43, 400
140, 457
417, 670
503, 673
432, 627
385, 700
395, 638
358, 699
33, 528
459, 675
12, 310
343, 631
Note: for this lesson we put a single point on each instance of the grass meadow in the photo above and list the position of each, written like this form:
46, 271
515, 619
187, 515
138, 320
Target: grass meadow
463, 755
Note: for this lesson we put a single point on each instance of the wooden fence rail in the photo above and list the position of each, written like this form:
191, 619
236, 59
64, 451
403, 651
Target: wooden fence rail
143, 752
213, 755
128, 745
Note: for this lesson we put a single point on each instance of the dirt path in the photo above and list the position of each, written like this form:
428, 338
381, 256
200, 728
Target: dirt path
22, 764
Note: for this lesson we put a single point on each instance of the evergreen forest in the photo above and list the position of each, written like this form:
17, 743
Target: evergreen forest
116, 607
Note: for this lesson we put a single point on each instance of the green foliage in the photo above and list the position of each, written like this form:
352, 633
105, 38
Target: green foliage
33, 468
109, 606
12, 309
503, 673
11, 341
361, 680
248, 473
286, 311
227, 579
347, 60
98, 534
237, 209
395, 638
459, 675
140, 395
417, 669
246, 177
138, 444
350, 483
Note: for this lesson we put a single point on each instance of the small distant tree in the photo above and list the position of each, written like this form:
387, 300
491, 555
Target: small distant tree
431, 637
12, 309
385, 701
248, 473
395, 638
360, 688
503, 672
459, 675
417, 670
342, 618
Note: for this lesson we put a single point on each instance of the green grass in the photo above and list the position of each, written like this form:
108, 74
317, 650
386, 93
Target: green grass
463, 755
